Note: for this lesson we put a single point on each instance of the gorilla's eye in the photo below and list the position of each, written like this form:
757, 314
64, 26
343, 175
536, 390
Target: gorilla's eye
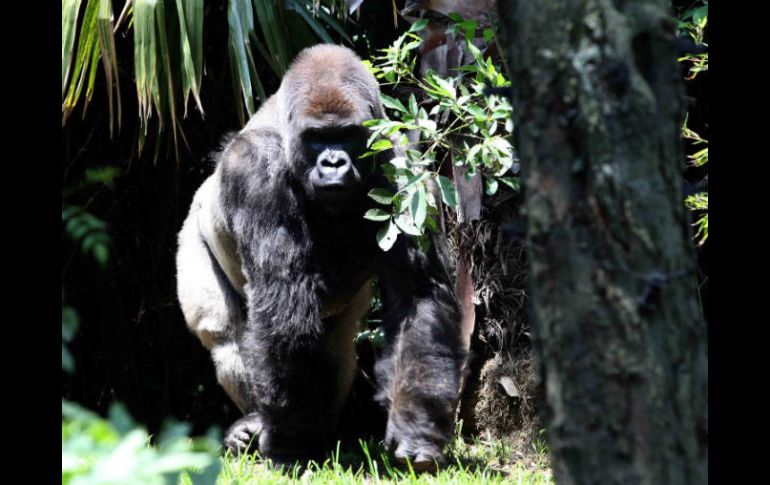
346, 138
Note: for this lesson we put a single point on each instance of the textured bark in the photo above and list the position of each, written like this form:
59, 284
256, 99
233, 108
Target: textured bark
621, 344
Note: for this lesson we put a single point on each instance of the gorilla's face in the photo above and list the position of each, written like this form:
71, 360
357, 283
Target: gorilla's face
325, 98
335, 172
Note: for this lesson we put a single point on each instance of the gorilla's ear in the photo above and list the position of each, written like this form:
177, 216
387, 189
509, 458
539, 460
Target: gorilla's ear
376, 109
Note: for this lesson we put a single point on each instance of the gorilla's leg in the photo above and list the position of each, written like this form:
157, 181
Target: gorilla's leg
210, 305
313, 392
419, 372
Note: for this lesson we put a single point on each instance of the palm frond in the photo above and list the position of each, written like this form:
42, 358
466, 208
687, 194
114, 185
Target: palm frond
191, 37
84, 71
168, 63
104, 24
270, 18
240, 19
168, 52
70, 9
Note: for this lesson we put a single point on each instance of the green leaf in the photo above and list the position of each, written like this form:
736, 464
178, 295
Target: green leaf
104, 22
101, 175
363, 336
448, 87
415, 179
419, 25
101, 254
67, 362
700, 13
427, 126
69, 323
413, 105
145, 59
699, 158
491, 186
386, 236
381, 196
473, 153
512, 182
120, 418
241, 23
431, 224
476, 111
389, 171
334, 24
382, 144
269, 16
377, 215
301, 8
392, 103
469, 28
378, 338
70, 11
84, 71
70, 211
374, 123
190, 14
407, 226
398, 162
420, 206
448, 191
167, 73
193, 15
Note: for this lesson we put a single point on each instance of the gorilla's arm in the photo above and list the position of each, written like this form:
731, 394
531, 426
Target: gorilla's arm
280, 340
424, 358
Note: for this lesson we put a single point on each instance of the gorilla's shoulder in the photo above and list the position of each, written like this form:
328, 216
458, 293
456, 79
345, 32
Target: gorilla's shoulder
252, 148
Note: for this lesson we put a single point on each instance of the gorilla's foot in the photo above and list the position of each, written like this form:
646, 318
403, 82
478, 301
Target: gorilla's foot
243, 435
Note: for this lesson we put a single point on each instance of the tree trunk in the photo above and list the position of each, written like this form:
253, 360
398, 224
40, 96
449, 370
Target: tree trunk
621, 344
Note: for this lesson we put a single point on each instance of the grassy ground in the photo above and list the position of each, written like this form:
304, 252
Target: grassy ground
482, 462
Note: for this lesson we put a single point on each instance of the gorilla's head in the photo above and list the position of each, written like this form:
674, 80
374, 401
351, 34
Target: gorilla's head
326, 96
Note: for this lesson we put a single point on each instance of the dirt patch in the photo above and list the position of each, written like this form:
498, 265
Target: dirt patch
504, 401
501, 389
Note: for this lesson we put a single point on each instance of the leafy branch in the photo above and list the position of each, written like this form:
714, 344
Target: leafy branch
455, 121
693, 22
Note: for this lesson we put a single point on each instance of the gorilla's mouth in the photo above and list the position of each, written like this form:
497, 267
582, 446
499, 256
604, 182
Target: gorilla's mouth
331, 188
334, 187
333, 193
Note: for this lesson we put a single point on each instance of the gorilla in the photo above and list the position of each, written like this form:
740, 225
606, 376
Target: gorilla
275, 267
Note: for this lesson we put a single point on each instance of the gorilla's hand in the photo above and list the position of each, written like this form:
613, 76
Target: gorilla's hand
243, 435
422, 455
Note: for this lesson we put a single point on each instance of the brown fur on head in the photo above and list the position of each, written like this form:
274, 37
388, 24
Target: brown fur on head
327, 99
330, 83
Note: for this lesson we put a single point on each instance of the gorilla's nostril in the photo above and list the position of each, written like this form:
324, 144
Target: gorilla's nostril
333, 159
332, 162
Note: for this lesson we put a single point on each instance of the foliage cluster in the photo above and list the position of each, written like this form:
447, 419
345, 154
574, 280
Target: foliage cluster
168, 52
458, 123
693, 22
97, 451
89, 233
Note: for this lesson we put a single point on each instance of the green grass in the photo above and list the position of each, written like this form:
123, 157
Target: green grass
477, 462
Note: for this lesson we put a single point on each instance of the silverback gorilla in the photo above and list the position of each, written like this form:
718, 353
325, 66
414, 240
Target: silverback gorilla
274, 271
